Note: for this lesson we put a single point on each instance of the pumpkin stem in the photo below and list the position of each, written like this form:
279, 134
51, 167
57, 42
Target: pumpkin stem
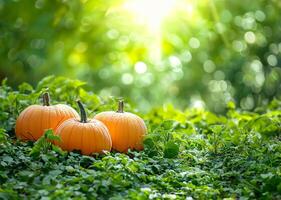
82, 112
120, 106
46, 99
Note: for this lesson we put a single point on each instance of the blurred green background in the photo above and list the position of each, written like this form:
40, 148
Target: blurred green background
187, 52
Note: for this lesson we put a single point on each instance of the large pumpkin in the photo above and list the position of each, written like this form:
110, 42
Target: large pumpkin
88, 136
35, 119
126, 129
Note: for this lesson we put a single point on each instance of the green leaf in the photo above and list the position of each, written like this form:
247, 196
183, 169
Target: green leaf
171, 150
231, 105
25, 87
149, 143
7, 159
217, 128
3, 136
44, 144
191, 154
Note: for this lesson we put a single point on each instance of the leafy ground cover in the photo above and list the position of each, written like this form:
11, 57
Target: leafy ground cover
191, 154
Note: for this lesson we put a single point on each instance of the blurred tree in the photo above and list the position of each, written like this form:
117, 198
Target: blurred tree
189, 52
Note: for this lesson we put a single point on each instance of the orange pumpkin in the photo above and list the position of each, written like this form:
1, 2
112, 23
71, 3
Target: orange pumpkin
87, 136
35, 119
126, 129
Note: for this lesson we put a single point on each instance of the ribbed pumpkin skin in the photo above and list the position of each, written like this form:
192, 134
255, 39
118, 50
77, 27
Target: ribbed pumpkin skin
35, 119
126, 129
90, 137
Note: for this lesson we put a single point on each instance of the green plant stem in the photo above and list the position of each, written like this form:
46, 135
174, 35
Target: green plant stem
120, 106
46, 99
82, 112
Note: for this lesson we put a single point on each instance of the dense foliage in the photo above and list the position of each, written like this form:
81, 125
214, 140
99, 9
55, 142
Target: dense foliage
191, 154
211, 50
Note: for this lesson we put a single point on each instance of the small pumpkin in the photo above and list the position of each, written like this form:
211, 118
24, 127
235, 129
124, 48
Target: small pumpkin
88, 136
35, 119
126, 129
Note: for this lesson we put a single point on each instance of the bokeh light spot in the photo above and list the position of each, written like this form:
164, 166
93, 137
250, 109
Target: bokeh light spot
247, 103
219, 75
186, 56
81, 47
259, 15
239, 46
248, 22
194, 43
104, 73
127, 78
272, 60
256, 65
140, 67
112, 34
209, 66
74, 59
250, 37
175, 63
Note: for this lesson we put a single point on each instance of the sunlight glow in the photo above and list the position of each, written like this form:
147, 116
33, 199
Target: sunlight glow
150, 12
151, 15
